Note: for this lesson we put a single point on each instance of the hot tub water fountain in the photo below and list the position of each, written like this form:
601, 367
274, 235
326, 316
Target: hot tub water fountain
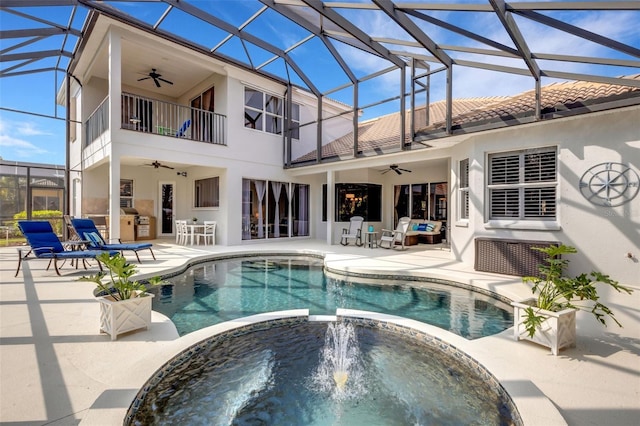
297, 371
340, 373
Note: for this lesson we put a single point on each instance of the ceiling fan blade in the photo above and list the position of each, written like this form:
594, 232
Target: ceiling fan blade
155, 80
397, 171
144, 78
405, 170
384, 171
166, 81
167, 167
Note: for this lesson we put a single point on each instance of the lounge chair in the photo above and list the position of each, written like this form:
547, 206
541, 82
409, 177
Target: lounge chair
45, 244
182, 132
354, 232
395, 237
87, 230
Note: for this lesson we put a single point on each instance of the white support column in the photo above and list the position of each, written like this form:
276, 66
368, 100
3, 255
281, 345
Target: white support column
115, 89
114, 196
330, 205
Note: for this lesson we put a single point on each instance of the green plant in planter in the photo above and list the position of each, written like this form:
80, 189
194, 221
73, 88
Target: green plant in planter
119, 284
556, 292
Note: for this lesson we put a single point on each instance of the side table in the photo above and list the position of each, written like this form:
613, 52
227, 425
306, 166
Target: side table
370, 239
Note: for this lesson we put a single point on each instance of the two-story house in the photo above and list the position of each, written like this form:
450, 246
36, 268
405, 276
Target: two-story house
178, 134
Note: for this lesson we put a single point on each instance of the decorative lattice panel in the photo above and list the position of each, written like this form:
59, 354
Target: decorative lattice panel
509, 257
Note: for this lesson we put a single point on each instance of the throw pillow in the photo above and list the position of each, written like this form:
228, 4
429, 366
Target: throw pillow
430, 227
95, 240
422, 227
415, 227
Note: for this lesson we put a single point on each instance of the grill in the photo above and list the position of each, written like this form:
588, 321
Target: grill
141, 227
128, 211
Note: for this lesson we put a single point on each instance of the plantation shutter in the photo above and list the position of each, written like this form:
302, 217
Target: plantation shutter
523, 185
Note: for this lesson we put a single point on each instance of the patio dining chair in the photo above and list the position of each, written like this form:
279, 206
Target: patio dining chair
87, 230
180, 230
45, 244
208, 233
394, 238
354, 232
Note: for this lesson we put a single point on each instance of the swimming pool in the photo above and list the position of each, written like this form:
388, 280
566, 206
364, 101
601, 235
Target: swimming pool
286, 373
217, 291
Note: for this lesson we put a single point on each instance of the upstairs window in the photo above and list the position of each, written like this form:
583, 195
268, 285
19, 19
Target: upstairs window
265, 112
523, 185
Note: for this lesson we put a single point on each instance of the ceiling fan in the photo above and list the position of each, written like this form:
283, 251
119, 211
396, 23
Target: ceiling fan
157, 164
396, 169
157, 78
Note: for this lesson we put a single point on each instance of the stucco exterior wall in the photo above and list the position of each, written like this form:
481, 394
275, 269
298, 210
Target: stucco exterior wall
604, 236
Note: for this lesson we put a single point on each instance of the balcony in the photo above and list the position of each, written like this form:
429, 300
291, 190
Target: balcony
153, 116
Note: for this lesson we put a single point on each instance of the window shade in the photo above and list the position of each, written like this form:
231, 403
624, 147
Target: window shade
522, 185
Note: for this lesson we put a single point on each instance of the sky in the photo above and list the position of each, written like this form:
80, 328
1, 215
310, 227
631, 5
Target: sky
37, 137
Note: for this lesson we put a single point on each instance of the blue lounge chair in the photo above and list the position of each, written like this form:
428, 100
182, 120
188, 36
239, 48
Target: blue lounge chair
45, 244
183, 129
86, 229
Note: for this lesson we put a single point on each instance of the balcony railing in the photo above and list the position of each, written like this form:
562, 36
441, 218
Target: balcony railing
97, 123
169, 119
158, 117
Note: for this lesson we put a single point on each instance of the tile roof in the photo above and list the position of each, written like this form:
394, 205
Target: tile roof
381, 134
554, 97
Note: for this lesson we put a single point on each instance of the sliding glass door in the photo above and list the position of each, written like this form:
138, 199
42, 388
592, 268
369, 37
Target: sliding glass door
420, 201
272, 209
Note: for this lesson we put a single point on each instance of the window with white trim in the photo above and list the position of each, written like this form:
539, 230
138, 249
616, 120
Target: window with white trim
207, 192
463, 189
262, 111
523, 184
265, 112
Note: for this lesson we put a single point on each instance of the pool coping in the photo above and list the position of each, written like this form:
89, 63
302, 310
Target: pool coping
532, 405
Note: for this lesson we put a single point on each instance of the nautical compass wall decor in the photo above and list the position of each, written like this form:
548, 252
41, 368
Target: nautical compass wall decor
610, 184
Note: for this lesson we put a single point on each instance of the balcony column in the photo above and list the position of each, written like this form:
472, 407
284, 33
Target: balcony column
115, 88
115, 79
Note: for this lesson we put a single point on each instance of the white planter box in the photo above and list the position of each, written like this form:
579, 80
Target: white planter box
558, 331
121, 316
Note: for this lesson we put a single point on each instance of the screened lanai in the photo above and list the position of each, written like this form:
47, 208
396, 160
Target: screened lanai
374, 57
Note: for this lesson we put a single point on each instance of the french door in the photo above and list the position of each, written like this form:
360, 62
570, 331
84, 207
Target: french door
167, 207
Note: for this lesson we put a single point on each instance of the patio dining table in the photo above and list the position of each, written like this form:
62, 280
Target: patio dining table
192, 228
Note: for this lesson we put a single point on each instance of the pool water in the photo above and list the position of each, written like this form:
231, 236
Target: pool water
219, 291
269, 377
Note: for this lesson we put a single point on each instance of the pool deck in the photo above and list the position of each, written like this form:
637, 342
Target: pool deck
57, 369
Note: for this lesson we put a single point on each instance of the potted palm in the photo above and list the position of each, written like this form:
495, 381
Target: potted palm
549, 318
125, 304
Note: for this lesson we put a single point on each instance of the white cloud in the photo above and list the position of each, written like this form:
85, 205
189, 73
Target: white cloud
474, 82
13, 142
20, 147
30, 129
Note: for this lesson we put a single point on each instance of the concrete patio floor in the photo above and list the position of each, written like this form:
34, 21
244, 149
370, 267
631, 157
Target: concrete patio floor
56, 368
